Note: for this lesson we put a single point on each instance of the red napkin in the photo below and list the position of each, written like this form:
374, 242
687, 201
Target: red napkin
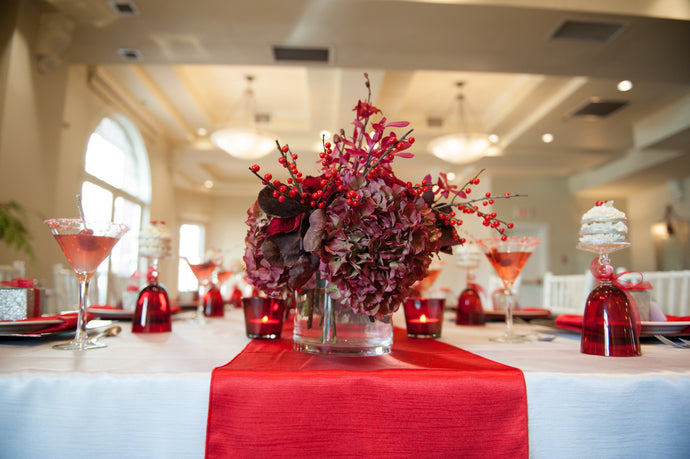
426, 398
69, 322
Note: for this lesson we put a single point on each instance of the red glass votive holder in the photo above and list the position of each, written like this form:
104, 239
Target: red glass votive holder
263, 317
424, 317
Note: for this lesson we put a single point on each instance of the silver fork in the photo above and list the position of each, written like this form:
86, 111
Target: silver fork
683, 345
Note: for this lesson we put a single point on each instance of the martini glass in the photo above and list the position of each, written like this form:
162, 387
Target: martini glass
203, 272
508, 256
85, 244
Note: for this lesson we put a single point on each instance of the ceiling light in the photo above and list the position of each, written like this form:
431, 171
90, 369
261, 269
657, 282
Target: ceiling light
201, 132
208, 184
625, 85
245, 141
450, 176
466, 145
547, 138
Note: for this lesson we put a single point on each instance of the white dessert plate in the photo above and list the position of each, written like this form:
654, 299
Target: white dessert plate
26, 326
664, 328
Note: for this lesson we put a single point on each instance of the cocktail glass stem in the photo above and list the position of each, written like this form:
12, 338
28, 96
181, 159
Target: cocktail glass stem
507, 291
200, 319
81, 341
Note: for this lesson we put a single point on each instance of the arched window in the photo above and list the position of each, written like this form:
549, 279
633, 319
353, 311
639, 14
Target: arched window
117, 187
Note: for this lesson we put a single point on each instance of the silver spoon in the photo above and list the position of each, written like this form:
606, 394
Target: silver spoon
108, 332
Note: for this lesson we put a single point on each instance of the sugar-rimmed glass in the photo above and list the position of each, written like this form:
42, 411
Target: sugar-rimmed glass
85, 244
508, 255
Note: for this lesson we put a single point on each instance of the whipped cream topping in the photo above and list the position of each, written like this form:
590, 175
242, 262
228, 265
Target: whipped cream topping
603, 223
155, 240
605, 211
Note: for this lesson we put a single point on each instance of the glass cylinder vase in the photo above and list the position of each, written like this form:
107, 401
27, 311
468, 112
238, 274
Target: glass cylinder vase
323, 326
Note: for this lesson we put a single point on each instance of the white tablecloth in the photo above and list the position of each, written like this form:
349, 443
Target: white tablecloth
146, 396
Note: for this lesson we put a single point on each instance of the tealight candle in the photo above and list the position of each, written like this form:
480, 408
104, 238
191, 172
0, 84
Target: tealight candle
263, 317
424, 317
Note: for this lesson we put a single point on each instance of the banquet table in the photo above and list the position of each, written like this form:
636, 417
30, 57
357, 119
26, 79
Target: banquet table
147, 395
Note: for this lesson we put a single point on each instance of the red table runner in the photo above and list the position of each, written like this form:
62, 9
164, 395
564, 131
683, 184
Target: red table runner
425, 399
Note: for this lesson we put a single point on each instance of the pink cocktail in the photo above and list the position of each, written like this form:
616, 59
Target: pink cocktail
85, 244
508, 255
202, 272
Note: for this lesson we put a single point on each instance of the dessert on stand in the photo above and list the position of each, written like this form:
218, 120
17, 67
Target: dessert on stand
153, 311
610, 325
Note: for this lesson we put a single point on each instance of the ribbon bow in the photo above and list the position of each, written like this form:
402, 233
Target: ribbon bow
605, 273
19, 282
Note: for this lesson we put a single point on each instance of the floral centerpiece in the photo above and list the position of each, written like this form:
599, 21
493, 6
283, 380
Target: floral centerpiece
356, 229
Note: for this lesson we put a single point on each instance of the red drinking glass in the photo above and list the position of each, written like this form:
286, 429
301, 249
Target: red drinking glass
609, 325
213, 303
470, 310
424, 317
152, 313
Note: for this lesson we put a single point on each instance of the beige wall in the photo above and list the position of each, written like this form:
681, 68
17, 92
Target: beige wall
46, 120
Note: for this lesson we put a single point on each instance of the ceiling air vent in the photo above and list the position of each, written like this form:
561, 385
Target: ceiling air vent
597, 32
130, 54
597, 108
434, 122
124, 8
292, 53
262, 118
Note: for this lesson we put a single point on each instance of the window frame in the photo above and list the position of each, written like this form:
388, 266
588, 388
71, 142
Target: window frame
133, 135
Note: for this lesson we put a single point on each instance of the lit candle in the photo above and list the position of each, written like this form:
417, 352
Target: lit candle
265, 320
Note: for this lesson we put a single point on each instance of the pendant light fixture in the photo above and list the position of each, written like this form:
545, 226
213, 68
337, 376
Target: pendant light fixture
468, 143
245, 141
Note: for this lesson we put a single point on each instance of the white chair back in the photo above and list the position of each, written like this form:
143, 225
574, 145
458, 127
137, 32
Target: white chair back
670, 291
568, 294
565, 294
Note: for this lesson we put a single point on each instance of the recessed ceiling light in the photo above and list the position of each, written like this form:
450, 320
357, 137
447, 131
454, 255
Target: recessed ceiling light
201, 132
547, 138
493, 138
208, 184
625, 85
130, 54
450, 176
325, 135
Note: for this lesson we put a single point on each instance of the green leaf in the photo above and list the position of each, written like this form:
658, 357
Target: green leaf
12, 230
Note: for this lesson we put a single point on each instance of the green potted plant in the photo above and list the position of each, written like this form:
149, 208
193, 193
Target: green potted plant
12, 230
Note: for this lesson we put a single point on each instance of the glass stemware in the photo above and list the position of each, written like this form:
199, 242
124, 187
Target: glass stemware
610, 324
203, 272
153, 313
508, 256
470, 310
85, 244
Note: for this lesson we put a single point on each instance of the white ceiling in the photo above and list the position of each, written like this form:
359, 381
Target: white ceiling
519, 82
